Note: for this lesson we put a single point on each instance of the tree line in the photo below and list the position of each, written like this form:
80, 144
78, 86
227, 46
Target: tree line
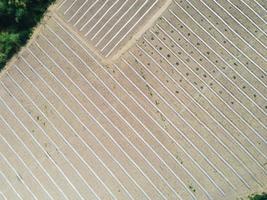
17, 19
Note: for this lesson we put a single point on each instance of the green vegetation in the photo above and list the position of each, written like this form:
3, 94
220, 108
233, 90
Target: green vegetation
192, 188
262, 196
17, 19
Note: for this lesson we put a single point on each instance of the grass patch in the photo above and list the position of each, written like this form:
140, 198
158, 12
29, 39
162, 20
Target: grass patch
17, 20
262, 196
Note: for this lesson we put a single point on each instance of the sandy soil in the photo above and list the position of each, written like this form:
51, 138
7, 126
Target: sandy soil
176, 111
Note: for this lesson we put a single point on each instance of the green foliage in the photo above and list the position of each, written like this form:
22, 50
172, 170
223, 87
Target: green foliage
17, 19
9, 43
262, 196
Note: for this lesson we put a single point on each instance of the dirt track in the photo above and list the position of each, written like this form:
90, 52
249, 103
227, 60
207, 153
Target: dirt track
93, 108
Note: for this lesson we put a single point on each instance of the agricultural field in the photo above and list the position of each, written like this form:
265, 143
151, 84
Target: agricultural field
138, 99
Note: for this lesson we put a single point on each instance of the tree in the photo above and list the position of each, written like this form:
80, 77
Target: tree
17, 19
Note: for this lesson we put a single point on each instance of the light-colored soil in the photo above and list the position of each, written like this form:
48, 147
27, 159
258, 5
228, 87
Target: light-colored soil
177, 111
